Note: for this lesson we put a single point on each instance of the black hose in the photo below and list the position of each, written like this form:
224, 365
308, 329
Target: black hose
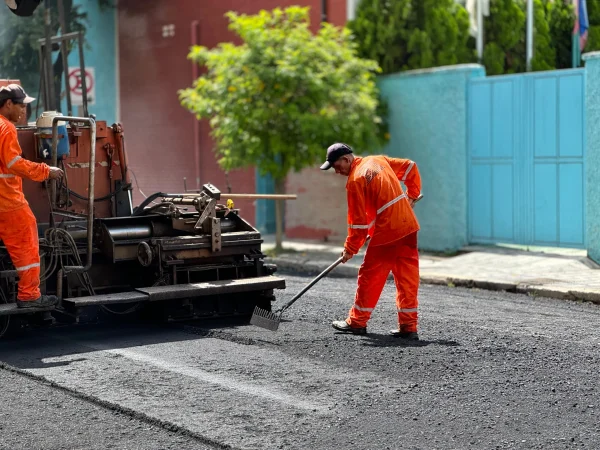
139, 210
101, 199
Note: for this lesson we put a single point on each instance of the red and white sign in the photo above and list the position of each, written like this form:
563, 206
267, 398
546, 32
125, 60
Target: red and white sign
76, 85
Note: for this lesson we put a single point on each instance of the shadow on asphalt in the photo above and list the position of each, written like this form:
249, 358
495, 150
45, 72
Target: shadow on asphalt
385, 340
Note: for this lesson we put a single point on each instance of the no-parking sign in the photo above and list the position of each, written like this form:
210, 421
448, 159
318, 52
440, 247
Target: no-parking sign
76, 85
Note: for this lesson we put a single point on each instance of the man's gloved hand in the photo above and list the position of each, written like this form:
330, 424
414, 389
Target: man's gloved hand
55, 172
346, 256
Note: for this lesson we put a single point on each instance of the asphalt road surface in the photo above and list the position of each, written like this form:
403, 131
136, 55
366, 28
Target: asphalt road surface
493, 370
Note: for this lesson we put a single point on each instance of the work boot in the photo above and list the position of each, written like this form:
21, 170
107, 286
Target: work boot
342, 325
45, 301
408, 335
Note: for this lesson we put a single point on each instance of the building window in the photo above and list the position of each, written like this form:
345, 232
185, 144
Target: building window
168, 30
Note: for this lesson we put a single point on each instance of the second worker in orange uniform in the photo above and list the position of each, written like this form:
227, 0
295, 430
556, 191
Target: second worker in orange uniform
378, 207
18, 227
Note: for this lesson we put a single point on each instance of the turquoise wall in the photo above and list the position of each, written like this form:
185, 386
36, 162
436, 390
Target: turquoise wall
265, 209
99, 53
428, 124
592, 93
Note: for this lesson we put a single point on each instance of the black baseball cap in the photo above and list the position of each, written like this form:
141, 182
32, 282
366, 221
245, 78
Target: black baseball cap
15, 93
335, 152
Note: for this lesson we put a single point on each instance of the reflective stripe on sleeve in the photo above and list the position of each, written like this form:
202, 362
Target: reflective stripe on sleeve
30, 266
13, 161
361, 227
6, 175
410, 166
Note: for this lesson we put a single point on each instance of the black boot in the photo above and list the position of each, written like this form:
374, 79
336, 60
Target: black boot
408, 335
45, 301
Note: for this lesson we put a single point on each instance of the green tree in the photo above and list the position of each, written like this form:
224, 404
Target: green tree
438, 34
412, 34
504, 32
561, 18
505, 36
544, 52
593, 43
277, 100
381, 32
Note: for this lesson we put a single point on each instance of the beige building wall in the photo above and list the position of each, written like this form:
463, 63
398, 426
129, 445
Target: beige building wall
320, 211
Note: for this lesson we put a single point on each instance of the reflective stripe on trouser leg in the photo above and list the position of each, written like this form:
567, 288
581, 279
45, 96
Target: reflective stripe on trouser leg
406, 276
372, 276
18, 232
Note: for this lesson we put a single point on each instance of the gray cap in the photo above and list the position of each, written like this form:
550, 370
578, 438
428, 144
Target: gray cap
16, 93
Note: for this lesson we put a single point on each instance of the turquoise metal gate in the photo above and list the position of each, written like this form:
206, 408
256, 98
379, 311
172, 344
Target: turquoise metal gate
526, 159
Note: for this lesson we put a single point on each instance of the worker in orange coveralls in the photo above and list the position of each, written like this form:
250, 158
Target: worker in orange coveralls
18, 228
378, 207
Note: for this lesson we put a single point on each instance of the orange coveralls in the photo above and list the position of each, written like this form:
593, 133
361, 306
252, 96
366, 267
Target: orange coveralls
377, 206
18, 227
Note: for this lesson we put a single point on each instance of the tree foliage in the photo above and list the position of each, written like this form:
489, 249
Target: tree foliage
544, 52
561, 18
415, 34
280, 97
412, 34
505, 36
593, 43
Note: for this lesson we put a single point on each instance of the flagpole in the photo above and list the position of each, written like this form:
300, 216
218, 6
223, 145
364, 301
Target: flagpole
575, 50
480, 30
529, 34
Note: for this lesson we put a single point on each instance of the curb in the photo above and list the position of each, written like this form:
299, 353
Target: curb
351, 271
313, 268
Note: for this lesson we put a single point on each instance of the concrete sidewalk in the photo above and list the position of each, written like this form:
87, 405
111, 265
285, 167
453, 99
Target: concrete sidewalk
544, 272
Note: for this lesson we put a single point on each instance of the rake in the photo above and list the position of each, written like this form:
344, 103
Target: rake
270, 320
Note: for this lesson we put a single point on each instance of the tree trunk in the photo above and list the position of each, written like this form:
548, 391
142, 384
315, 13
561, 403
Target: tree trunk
279, 208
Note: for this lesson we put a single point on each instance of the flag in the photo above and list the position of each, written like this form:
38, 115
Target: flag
582, 23
580, 30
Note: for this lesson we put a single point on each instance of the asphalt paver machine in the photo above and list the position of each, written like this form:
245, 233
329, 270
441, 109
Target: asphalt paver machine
176, 255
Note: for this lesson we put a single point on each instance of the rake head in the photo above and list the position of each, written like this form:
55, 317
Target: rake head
265, 319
